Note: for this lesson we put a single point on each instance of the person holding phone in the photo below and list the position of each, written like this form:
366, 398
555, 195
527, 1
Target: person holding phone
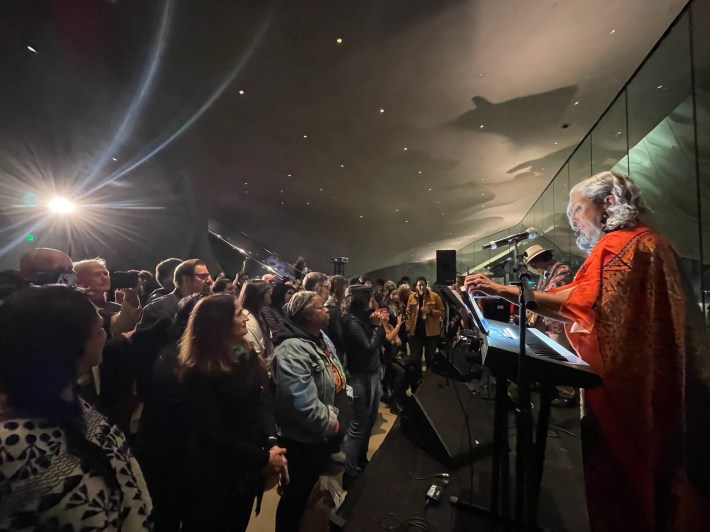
120, 316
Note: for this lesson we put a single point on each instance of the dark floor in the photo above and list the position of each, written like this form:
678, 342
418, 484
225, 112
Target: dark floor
387, 493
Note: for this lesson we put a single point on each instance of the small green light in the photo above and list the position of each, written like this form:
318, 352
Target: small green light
30, 238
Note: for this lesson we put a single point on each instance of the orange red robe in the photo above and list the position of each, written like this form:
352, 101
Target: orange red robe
643, 440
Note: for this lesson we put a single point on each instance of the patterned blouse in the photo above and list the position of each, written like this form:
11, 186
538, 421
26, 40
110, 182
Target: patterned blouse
44, 487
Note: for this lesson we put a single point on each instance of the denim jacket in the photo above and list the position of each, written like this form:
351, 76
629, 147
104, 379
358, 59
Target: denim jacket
304, 387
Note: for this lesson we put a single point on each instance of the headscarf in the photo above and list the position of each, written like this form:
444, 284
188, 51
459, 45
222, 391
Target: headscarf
298, 302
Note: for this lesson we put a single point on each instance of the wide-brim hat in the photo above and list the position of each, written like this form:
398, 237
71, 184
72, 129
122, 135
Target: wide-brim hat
534, 251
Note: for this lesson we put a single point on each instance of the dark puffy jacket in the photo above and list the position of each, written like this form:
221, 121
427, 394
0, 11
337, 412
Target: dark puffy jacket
363, 342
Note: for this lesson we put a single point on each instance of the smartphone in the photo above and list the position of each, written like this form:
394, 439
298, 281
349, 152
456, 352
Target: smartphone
124, 280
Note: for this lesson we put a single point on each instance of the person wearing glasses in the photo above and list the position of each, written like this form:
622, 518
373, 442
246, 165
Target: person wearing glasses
191, 277
43, 266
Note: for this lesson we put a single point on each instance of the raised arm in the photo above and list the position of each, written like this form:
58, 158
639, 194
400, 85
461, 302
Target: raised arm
548, 303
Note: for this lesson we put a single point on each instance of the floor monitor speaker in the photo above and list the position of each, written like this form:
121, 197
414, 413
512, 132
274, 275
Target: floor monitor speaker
440, 416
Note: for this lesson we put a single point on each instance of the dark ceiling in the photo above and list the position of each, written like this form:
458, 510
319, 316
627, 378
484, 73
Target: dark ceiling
376, 130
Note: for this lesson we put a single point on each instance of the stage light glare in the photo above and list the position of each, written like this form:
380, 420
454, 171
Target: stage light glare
61, 206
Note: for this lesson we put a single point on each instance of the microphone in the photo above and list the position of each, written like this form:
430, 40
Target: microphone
529, 234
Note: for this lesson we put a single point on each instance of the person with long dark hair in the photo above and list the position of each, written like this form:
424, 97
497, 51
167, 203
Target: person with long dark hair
364, 335
62, 465
231, 432
254, 297
274, 313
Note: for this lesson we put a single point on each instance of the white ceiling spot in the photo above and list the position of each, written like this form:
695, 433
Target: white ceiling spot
483, 206
339, 40
246, 183
576, 103
283, 203
406, 221
405, 148
241, 92
612, 32
305, 136
381, 110
483, 193
288, 175
114, 159
342, 166
396, 210
308, 203
660, 87
555, 143
31, 49
282, 191
321, 190
480, 75
420, 171
481, 126
361, 216
429, 190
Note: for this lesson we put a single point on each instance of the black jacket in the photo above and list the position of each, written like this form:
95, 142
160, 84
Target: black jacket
362, 343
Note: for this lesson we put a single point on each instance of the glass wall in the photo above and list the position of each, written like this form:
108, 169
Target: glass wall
657, 131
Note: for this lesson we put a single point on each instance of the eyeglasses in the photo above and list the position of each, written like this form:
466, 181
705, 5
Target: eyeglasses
201, 276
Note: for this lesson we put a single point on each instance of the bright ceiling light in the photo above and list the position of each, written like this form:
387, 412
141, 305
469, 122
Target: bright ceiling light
61, 206
31, 49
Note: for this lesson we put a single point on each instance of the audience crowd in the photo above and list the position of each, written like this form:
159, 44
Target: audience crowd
173, 401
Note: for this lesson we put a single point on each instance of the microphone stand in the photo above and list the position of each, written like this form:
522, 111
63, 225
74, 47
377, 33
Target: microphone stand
523, 413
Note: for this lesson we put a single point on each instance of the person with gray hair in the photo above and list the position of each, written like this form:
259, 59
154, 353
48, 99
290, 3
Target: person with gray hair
307, 375
631, 317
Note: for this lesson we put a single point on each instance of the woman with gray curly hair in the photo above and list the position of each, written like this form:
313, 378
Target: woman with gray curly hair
627, 315
307, 375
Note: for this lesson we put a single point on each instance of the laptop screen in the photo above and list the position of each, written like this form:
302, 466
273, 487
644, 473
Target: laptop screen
481, 322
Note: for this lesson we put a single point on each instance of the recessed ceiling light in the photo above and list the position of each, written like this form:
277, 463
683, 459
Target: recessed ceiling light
405, 148
282, 191
555, 143
483, 206
483, 193
576, 103
114, 159
241, 92
288, 175
361, 216
246, 183
396, 210
429, 190
406, 221
420, 171
342, 166
31, 49
308, 203
480, 75
321, 190
305, 136
660, 87
442, 214
381, 110
283, 203
481, 126
339, 40
612, 32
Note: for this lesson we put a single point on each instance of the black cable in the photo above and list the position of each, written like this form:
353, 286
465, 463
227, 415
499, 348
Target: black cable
553, 428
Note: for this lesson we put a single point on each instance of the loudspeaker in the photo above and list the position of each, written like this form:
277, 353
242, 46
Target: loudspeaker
445, 266
436, 416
